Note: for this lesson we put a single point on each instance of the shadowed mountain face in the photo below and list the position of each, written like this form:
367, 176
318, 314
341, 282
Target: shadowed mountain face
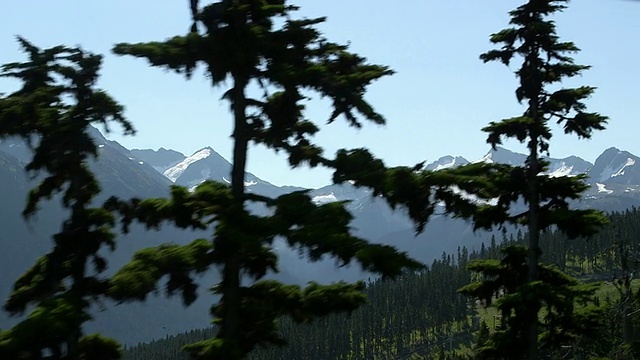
571, 165
149, 173
22, 243
616, 167
160, 159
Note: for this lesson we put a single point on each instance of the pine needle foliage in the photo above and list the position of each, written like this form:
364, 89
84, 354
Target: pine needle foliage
52, 111
245, 45
545, 63
568, 314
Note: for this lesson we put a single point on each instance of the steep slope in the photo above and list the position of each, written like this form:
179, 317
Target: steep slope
207, 164
616, 167
372, 216
160, 159
19, 243
122, 175
446, 162
571, 165
614, 180
503, 156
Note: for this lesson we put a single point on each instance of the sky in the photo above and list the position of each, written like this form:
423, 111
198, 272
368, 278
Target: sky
435, 104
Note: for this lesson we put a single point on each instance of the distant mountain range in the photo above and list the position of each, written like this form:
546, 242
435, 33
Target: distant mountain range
614, 180
613, 173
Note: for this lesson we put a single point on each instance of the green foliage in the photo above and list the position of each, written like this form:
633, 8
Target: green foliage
546, 62
285, 58
403, 315
317, 229
140, 276
415, 314
52, 111
97, 347
567, 309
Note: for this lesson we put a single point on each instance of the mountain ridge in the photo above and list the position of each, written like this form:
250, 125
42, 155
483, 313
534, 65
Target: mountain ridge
601, 170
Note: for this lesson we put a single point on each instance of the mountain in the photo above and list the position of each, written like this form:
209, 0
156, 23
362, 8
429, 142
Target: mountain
571, 165
500, 155
447, 162
120, 174
160, 159
373, 219
204, 164
616, 167
614, 179
372, 216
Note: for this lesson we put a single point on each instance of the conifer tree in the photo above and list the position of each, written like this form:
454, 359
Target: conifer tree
545, 63
52, 111
256, 44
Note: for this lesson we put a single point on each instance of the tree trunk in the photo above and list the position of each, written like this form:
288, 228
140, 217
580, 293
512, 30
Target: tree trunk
533, 221
230, 329
534, 237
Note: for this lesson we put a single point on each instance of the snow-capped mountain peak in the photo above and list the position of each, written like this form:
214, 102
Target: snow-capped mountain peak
500, 155
485, 159
446, 162
174, 172
615, 166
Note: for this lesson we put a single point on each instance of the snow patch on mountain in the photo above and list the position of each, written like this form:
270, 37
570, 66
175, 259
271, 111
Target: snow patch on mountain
358, 198
174, 172
603, 189
610, 172
445, 166
485, 159
629, 162
563, 170
324, 199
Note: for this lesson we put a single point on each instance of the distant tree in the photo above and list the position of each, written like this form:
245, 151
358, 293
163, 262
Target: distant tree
52, 112
271, 63
545, 63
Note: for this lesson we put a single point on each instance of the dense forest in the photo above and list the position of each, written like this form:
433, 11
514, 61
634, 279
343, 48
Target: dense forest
421, 315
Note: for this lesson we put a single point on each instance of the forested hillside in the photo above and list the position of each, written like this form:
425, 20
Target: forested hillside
422, 313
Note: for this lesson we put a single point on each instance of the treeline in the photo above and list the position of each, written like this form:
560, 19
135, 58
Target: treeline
421, 313
401, 315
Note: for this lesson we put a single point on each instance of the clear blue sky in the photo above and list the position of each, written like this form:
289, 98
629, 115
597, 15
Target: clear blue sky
436, 103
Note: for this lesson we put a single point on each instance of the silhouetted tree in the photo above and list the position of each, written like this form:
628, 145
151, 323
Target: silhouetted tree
52, 111
545, 63
271, 62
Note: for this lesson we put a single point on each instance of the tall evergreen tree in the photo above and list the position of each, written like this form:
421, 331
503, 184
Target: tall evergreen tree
546, 62
270, 61
52, 111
